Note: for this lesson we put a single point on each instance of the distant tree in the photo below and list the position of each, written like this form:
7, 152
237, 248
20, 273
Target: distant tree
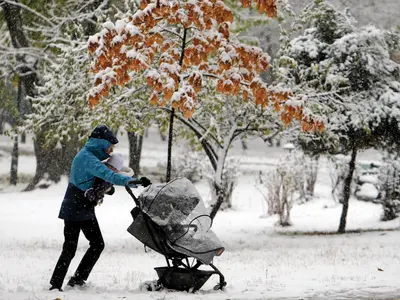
389, 187
35, 29
345, 75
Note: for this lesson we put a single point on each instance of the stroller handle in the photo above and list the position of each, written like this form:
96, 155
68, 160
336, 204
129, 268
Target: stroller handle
128, 189
134, 182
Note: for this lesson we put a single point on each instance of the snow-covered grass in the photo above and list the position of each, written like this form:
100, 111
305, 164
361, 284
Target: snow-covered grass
261, 261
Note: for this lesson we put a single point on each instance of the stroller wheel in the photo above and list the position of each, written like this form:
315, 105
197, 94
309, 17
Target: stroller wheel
220, 287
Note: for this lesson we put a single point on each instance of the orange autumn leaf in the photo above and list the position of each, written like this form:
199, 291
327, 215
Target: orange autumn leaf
175, 104
154, 99
144, 3
188, 114
246, 3
245, 95
92, 47
168, 93
93, 100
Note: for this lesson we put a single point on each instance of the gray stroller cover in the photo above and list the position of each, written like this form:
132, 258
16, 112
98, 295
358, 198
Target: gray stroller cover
177, 207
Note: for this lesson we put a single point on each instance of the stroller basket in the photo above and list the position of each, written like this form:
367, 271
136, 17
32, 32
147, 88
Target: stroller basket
182, 279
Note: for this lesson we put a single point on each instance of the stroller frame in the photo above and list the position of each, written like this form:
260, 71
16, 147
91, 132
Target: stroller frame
178, 266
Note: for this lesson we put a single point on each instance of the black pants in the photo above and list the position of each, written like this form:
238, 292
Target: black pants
92, 232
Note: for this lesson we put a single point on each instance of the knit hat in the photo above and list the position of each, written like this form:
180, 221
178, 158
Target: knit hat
105, 133
116, 160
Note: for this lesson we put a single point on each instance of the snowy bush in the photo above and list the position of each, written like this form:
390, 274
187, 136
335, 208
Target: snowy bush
337, 174
188, 165
294, 178
265, 187
311, 165
283, 185
389, 178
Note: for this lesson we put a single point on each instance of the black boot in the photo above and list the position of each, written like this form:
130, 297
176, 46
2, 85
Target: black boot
76, 282
53, 287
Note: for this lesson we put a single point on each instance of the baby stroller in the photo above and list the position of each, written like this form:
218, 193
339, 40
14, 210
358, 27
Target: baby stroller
171, 219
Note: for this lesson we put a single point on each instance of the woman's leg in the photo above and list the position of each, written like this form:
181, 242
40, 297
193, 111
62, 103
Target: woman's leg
71, 237
92, 232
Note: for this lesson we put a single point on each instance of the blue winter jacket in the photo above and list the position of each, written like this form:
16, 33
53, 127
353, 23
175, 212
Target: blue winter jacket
86, 166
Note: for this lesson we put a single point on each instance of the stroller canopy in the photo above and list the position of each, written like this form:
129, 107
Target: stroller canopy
178, 208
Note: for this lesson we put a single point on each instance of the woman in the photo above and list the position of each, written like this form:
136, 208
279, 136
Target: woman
78, 212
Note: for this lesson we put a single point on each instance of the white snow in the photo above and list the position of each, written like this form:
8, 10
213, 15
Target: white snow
261, 261
369, 178
109, 25
94, 39
120, 26
368, 191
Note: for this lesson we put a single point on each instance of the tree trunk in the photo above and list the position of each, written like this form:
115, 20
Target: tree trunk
244, 144
171, 118
135, 152
48, 163
170, 139
220, 197
13, 17
15, 151
89, 25
68, 151
14, 163
220, 184
2, 122
346, 190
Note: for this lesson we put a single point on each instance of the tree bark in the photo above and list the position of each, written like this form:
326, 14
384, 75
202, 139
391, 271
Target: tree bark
68, 151
89, 25
312, 177
171, 118
48, 163
14, 163
346, 190
170, 139
135, 151
220, 197
15, 151
13, 17
221, 187
2, 112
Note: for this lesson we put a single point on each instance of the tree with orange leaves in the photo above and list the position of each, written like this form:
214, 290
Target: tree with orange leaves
177, 48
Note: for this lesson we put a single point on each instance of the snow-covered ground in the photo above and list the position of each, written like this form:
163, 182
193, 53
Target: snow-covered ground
261, 261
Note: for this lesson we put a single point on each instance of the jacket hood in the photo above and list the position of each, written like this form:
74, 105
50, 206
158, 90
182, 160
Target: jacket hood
98, 147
